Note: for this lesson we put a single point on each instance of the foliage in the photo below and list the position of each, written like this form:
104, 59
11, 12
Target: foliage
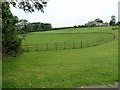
118, 23
46, 26
31, 5
112, 23
23, 23
99, 20
10, 41
34, 27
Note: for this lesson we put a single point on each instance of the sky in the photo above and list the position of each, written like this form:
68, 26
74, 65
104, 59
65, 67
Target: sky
65, 13
119, 11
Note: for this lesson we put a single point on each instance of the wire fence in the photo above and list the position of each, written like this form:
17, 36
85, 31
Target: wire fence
66, 45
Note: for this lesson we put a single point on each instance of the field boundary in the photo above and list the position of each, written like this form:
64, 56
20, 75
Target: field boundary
68, 45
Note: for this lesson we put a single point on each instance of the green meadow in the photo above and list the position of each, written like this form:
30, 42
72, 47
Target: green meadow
69, 68
66, 35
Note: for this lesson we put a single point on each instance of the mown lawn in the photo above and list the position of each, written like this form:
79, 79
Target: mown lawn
63, 68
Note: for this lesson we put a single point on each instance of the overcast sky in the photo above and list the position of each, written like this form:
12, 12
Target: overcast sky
61, 13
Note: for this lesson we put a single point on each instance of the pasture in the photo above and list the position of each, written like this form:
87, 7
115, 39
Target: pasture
64, 68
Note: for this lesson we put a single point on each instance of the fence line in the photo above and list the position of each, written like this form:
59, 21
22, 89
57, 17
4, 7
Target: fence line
66, 45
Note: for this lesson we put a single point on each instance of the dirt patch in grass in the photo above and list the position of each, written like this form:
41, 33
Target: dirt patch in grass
114, 85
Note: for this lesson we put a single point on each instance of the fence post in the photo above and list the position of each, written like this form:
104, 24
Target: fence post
81, 43
37, 47
97, 42
100, 41
114, 37
73, 45
56, 46
27, 48
64, 45
87, 43
46, 47
93, 43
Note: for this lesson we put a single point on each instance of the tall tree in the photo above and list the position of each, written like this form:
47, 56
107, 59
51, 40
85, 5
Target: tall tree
10, 41
112, 21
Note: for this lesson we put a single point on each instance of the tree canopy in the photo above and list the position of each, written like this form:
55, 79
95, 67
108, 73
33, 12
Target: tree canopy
30, 5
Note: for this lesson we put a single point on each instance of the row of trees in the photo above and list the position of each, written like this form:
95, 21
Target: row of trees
25, 26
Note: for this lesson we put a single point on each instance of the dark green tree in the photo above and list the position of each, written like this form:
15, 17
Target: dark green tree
112, 23
118, 23
36, 26
46, 26
75, 26
99, 20
10, 41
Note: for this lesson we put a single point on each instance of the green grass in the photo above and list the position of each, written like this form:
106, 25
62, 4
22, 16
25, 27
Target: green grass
66, 39
63, 68
42, 38
66, 35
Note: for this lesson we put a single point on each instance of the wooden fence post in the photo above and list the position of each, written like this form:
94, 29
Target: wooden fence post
81, 43
97, 42
93, 43
56, 46
100, 41
73, 45
114, 37
37, 47
46, 47
64, 45
87, 43
27, 48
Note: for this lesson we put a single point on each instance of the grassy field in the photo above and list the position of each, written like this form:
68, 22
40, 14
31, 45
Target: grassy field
66, 35
63, 68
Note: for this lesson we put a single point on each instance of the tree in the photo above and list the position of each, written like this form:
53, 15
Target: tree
23, 23
75, 26
31, 5
118, 23
29, 27
112, 23
10, 41
46, 26
99, 20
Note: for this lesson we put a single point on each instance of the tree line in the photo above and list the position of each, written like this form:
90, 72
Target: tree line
25, 26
